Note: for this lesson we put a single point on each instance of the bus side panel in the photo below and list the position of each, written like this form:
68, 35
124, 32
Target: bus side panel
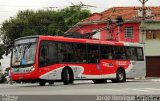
110, 67
107, 69
80, 71
138, 70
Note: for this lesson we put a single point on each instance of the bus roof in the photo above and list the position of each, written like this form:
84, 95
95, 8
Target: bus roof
25, 37
80, 40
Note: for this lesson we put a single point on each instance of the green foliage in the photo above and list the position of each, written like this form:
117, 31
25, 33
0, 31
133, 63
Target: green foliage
2, 78
2, 51
42, 22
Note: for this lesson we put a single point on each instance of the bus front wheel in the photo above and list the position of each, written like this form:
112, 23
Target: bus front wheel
67, 77
120, 76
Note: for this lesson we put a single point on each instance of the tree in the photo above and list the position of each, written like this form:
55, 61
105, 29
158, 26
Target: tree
42, 22
2, 51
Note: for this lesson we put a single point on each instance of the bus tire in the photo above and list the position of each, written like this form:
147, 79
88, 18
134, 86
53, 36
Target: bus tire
120, 76
67, 77
96, 81
42, 82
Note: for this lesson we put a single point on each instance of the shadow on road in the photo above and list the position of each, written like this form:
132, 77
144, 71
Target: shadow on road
60, 84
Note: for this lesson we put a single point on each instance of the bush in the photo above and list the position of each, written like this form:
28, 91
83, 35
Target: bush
3, 78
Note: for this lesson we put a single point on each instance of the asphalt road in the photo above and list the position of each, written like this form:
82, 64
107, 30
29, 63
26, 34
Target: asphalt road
84, 88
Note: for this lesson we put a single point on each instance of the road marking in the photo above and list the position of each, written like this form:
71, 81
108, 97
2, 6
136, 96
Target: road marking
152, 89
115, 90
139, 90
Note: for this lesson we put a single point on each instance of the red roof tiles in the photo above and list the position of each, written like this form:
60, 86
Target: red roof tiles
127, 13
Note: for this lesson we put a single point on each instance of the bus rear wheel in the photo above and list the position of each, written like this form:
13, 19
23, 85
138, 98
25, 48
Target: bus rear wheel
120, 76
42, 82
67, 77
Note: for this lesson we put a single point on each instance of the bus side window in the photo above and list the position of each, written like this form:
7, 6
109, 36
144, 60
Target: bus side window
103, 52
93, 53
43, 55
110, 52
65, 52
115, 52
106, 52
134, 55
68, 52
128, 53
61, 52
52, 51
140, 56
80, 53
131, 53
48, 53
82, 48
123, 53
118, 54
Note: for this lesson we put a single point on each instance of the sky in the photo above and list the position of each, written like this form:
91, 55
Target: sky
9, 8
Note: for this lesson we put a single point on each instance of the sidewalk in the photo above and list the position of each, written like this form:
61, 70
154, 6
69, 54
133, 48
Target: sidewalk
155, 79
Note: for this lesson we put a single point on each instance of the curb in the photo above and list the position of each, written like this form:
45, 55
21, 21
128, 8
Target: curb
145, 79
155, 80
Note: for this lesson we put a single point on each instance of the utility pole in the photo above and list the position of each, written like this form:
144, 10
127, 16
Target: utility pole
119, 23
143, 8
142, 25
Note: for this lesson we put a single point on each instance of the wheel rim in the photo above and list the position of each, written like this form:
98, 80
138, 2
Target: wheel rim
120, 76
67, 75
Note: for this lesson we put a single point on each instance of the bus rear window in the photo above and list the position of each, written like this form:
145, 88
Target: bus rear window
140, 54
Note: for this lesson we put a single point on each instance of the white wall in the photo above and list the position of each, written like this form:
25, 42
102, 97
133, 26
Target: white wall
152, 47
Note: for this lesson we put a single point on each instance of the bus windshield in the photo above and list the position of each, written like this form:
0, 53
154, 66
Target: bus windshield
24, 54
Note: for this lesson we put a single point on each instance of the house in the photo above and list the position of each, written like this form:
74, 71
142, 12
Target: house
133, 30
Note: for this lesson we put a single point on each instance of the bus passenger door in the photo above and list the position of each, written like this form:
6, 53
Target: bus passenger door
47, 58
94, 61
106, 60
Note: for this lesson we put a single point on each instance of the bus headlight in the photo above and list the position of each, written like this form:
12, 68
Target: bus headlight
32, 68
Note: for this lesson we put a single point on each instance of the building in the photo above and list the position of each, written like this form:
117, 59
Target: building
131, 31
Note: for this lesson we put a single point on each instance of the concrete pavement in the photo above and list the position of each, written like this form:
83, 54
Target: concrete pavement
131, 87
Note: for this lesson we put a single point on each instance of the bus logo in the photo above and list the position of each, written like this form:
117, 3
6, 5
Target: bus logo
108, 64
98, 66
